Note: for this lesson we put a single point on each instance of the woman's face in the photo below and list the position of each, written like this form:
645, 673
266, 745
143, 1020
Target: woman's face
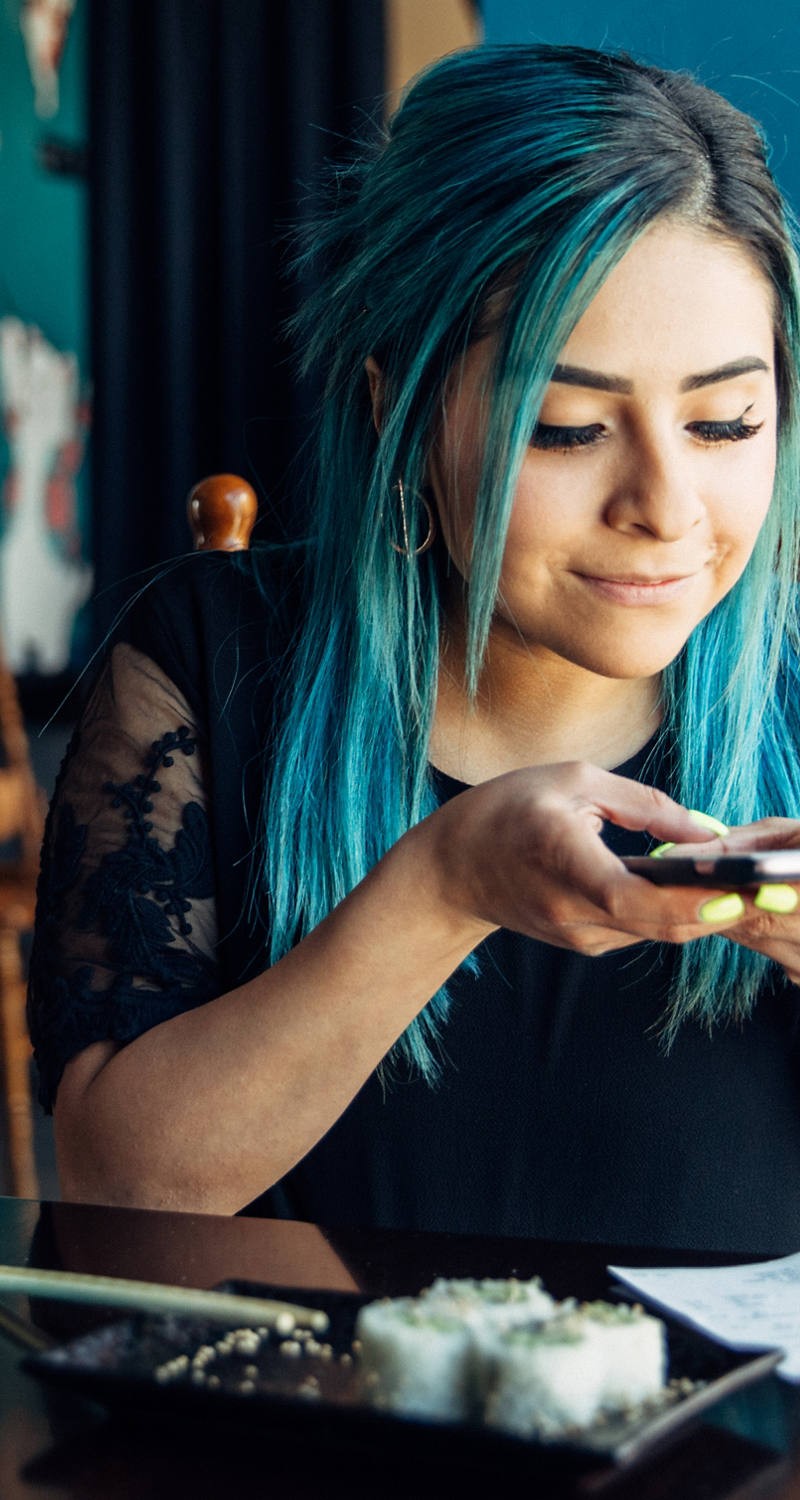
651, 470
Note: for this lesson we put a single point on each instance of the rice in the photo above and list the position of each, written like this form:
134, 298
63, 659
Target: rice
550, 1379
492, 1302
505, 1352
416, 1361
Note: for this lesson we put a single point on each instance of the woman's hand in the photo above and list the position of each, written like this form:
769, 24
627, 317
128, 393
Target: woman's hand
524, 851
776, 933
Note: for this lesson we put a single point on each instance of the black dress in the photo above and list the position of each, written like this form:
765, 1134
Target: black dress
558, 1113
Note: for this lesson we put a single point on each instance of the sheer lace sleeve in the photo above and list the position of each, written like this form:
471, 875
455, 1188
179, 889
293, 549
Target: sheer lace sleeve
126, 923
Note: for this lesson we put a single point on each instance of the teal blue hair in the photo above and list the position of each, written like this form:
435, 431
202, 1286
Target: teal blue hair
511, 181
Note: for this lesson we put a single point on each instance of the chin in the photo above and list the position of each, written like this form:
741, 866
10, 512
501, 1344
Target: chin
629, 666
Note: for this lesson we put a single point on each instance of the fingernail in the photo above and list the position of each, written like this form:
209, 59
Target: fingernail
706, 821
659, 850
779, 898
722, 908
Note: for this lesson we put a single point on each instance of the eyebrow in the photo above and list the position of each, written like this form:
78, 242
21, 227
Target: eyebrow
723, 372
596, 380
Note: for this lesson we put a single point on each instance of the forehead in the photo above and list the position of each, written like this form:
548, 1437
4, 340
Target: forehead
681, 300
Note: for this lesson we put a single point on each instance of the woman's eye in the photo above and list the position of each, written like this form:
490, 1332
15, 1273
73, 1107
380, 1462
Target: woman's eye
725, 432
563, 438
566, 437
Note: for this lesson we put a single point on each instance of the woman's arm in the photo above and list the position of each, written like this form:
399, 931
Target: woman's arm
209, 1108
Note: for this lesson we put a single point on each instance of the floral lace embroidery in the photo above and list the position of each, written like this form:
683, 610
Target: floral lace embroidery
138, 901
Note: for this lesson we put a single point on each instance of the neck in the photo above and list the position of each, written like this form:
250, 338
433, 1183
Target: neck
534, 708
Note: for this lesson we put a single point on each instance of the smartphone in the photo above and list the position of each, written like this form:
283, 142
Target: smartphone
728, 872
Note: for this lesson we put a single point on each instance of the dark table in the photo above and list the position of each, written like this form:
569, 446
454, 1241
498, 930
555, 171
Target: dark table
55, 1444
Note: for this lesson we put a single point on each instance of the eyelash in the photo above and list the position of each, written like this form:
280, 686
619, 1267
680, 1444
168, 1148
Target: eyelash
564, 438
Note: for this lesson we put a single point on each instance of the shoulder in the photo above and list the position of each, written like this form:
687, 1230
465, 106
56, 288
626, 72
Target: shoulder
210, 619
212, 589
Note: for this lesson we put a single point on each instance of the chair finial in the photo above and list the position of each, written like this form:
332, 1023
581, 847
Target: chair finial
222, 511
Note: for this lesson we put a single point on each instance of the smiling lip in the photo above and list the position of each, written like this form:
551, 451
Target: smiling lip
639, 590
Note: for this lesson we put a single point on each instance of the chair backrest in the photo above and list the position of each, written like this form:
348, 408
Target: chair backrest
22, 804
222, 511
22, 810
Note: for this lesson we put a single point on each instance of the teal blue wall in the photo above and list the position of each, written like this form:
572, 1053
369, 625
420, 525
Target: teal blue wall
750, 53
44, 217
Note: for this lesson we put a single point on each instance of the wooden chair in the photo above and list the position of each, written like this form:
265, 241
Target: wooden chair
22, 808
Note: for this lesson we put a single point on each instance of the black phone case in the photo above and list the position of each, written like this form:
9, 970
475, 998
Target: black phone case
730, 871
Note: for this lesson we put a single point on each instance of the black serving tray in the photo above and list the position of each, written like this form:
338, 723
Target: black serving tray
116, 1365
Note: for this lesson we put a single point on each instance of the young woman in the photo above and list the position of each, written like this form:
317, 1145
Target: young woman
333, 922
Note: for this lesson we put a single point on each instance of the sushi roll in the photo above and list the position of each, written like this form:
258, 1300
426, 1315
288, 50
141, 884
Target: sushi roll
505, 1351
487, 1307
634, 1350
543, 1380
552, 1378
416, 1360
492, 1302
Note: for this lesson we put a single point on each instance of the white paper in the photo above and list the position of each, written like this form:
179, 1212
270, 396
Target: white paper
744, 1307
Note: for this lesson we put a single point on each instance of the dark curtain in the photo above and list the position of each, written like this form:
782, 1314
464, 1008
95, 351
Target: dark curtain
209, 124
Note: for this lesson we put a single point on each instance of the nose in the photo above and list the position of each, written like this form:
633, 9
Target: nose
656, 493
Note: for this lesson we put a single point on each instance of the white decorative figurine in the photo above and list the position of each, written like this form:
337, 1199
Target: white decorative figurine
41, 589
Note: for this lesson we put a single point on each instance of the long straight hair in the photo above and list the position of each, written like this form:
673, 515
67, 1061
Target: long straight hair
512, 177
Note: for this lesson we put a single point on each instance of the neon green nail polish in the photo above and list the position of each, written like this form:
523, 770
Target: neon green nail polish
778, 898
660, 850
706, 821
722, 908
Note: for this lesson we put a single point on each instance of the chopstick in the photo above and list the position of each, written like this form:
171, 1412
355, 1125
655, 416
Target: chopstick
151, 1297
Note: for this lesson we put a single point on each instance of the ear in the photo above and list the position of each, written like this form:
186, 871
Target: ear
376, 390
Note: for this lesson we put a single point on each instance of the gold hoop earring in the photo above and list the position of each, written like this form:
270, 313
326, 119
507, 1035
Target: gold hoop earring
405, 550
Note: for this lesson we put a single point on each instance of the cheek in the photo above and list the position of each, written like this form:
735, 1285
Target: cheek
549, 511
744, 504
